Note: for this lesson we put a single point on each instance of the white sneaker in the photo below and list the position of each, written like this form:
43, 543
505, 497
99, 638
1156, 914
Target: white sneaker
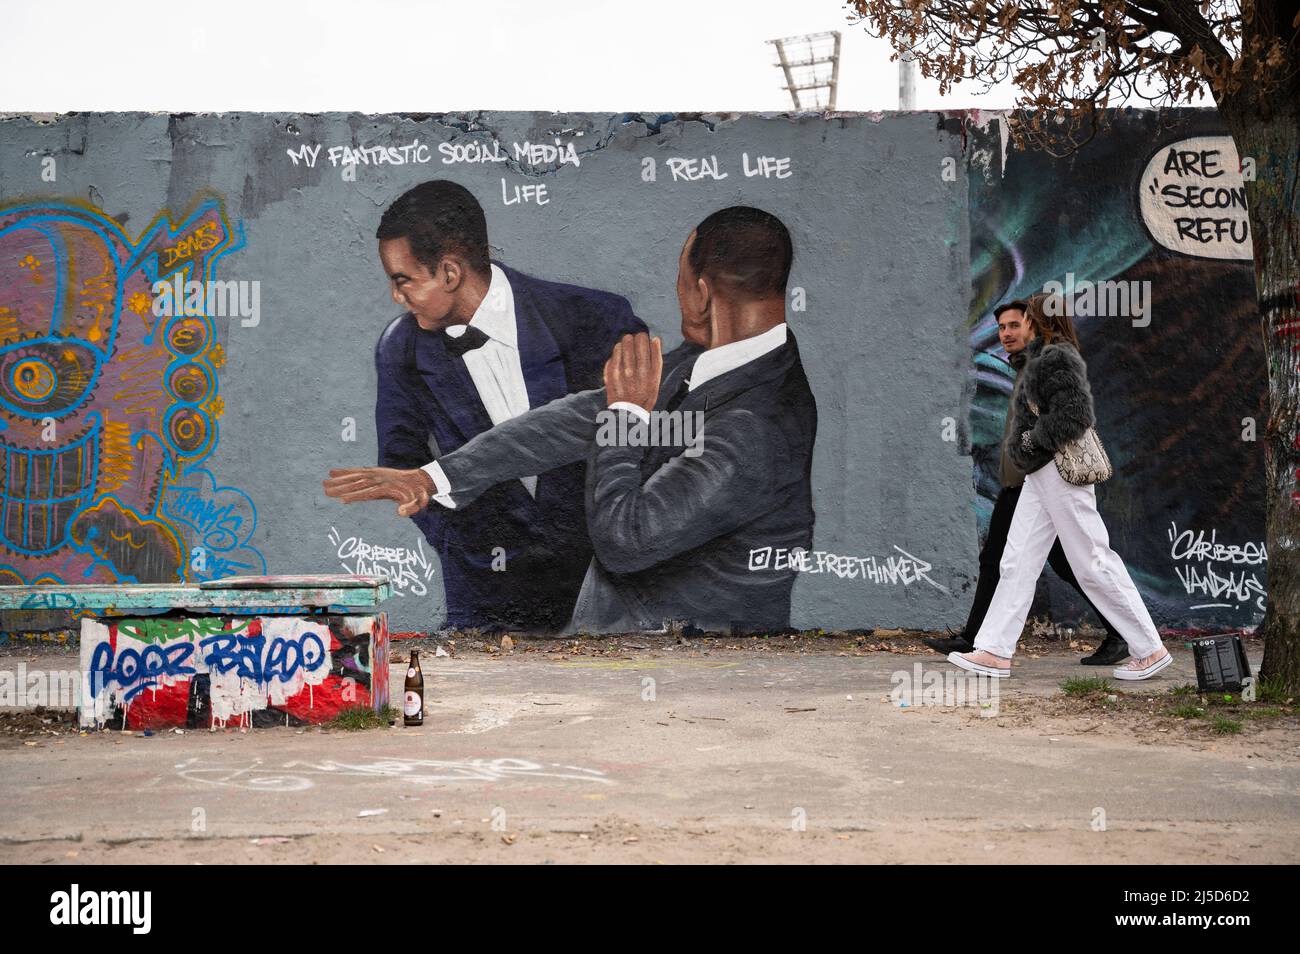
962, 661
1143, 668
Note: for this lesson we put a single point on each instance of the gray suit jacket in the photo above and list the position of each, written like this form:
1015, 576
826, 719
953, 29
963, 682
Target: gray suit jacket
675, 536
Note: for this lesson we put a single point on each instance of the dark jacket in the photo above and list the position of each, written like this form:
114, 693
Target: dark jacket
705, 539
1009, 475
1054, 378
427, 405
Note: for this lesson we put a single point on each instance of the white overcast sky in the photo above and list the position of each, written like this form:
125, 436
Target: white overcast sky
431, 55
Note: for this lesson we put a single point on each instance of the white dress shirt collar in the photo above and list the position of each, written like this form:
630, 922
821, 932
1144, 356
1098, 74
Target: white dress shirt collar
729, 357
495, 315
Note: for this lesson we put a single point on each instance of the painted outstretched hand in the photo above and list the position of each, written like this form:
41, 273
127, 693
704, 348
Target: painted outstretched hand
412, 489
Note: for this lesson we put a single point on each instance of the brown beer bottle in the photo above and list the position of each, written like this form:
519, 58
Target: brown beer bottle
413, 706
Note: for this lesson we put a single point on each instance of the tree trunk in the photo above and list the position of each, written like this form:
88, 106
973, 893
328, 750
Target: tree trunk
1268, 132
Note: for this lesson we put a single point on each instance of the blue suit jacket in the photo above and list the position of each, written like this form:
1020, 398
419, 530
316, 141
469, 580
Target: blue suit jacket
427, 406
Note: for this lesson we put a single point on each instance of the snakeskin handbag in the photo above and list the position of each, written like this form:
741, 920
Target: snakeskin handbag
1082, 461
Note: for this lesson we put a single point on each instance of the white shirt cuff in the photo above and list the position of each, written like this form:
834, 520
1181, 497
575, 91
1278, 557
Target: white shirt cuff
443, 485
631, 408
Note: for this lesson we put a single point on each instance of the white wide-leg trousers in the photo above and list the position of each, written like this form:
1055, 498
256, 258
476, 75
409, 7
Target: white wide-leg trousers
1051, 507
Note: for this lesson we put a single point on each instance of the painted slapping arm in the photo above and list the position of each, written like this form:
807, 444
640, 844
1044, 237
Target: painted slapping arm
550, 436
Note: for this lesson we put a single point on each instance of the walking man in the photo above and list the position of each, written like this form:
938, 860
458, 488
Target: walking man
1015, 332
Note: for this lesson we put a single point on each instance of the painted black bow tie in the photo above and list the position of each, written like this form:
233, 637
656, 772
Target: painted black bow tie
471, 339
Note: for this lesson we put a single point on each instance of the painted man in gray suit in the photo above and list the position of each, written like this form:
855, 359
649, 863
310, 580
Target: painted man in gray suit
672, 527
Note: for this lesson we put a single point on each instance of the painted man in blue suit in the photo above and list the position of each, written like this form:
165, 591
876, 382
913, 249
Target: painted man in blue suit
479, 344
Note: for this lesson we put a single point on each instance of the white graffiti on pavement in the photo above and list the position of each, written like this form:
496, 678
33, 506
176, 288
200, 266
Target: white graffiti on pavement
297, 776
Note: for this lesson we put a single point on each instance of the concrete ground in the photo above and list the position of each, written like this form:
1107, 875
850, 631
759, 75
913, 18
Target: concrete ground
653, 751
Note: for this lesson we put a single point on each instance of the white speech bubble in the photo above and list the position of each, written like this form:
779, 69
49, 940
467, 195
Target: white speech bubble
1193, 199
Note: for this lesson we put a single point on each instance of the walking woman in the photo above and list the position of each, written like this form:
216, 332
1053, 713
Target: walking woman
1052, 409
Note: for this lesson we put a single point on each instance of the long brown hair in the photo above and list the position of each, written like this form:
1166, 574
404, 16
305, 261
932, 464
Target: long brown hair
1050, 322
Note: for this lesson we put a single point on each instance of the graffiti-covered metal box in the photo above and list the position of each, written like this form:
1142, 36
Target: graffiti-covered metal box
203, 671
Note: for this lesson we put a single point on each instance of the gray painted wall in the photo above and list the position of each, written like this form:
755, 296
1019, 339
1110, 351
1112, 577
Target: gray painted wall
881, 250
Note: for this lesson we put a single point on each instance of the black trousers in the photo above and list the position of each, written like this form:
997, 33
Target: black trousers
1004, 508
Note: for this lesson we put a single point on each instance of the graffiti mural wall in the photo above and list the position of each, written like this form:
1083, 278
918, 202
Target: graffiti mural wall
109, 408
201, 316
1155, 207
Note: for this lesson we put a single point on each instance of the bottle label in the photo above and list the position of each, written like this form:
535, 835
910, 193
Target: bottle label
413, 705
410, 673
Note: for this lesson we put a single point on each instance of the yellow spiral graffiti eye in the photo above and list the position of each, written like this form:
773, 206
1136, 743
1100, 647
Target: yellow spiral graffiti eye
33, 379
188, 429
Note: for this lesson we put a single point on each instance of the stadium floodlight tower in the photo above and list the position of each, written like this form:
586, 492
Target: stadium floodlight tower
811, 63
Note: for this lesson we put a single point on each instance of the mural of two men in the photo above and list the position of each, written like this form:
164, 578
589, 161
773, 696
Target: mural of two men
606, 536
529, 342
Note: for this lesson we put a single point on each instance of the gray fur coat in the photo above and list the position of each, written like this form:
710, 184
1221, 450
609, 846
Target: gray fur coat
1056, 380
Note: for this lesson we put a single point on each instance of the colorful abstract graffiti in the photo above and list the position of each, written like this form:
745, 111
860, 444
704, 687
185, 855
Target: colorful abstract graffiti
214, 671
1179, 391
108, 410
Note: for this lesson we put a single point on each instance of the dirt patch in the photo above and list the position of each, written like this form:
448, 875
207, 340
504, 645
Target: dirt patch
45, 644
19, 725
1042, 639
620, 841
1175, 715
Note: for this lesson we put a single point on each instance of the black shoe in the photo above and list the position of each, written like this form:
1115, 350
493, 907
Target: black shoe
1111, 651
952, 643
